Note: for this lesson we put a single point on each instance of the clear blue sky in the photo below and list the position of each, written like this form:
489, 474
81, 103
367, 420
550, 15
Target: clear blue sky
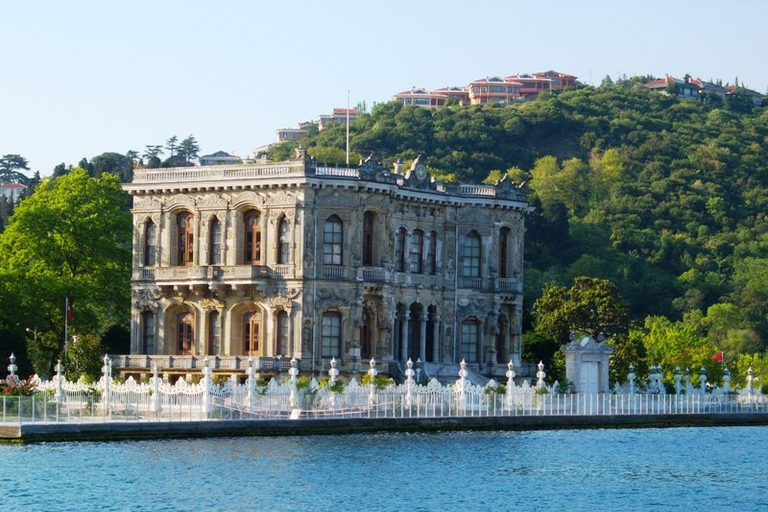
79, 78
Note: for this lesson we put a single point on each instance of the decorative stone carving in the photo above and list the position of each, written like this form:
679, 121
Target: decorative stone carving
280, 303
212, 201
180, 200
146, 299
147, 204
211, 303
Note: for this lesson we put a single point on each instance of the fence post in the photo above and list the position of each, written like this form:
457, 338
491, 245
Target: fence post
251, 384
371, 383
332, 374
510, 383
206, 388
59, 378
461, 385
157, 404
293, 372
409, 384
107, 371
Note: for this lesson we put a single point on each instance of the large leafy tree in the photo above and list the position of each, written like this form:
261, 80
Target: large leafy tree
590, 306
115, 163
70, 239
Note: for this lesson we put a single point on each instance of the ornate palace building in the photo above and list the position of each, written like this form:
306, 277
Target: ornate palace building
256, 264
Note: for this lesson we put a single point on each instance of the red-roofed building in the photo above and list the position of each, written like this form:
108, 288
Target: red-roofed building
12, 191
493, 89
421, 97
756, 97
709, 88
669, 83
339, 115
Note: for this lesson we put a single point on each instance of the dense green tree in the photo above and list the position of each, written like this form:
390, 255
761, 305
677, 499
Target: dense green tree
591, 306
71, 238
189, 148
115, 163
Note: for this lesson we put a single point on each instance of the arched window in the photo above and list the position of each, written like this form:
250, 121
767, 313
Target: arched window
333, 238
402, 234
214, 249
214, 333
432, 253
185, 330
251, 333
331, 342
470, 340
417, 246
185, 240
252, 226
471, 255
284, 242
281, 333
369, 219
504, 252
150, 244
148, 332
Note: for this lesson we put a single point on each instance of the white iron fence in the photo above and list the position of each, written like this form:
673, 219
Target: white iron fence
62, 401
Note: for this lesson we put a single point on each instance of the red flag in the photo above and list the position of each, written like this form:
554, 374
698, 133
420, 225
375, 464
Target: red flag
69, 312
718, 357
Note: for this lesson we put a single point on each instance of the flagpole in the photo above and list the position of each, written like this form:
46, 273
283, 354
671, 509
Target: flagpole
347, 127
66, 326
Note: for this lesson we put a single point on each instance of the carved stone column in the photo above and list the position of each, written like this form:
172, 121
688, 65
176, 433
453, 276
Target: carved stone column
435, 339
404, 328
423, 336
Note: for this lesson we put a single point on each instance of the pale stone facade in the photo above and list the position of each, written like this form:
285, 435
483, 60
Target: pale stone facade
256, 264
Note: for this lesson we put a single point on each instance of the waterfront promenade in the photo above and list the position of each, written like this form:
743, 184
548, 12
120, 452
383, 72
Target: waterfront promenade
62, 410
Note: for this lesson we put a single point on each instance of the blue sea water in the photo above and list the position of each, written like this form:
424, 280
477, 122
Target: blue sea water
700, 469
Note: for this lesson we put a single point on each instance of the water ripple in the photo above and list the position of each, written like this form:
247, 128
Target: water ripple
571, 470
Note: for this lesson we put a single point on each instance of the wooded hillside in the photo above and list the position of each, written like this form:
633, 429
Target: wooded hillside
664, 197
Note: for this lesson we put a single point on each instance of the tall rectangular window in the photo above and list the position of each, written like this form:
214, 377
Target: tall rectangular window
331, 342
281, 343
471, 255
185, 333
214, 333
284, 242
503, 252
148, 332
251, 333
417, 246
185, 239
368, 221
432, 253
252, 238
400, 250
150, 244
215, 249
333, 238
470, 341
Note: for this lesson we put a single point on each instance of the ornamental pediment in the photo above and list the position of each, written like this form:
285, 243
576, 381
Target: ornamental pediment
147, 203
212, 201
247, 198
180, 200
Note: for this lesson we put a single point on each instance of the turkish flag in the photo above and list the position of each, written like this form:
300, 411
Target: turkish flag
718, 357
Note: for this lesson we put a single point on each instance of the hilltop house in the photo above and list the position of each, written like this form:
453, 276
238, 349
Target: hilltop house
512, 89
